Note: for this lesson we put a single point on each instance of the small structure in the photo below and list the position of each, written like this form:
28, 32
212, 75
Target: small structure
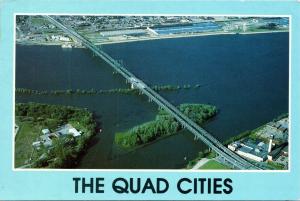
68, 129
47, 137
270, 144
285, 151
279, 150
74, 132
46, 131
234, 146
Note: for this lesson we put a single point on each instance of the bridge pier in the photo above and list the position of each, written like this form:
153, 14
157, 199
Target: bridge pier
132, 86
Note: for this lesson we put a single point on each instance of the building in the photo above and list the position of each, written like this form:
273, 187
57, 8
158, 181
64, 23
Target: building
46, 131
250, 149
68, 129
279, 150
47, 137
278, 129
74, 132
127, 32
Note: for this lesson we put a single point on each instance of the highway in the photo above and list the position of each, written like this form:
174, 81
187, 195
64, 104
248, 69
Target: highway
237, 161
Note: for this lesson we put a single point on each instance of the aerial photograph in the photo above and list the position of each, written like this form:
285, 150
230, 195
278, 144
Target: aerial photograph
151, 92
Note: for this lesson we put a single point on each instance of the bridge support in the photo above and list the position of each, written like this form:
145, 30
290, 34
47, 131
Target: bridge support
132, 86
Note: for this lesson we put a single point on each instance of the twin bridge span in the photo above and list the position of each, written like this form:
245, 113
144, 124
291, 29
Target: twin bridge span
237, 161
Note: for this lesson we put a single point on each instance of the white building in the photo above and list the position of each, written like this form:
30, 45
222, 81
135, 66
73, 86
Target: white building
46, 131
46, 138
74, 132
254, 151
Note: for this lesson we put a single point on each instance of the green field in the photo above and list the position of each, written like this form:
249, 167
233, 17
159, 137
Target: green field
27, 134
214, 165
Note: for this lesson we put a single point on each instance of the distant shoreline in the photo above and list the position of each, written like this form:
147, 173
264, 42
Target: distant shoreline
154, 38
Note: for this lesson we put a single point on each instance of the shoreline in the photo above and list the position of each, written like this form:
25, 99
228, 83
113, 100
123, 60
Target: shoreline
154, 38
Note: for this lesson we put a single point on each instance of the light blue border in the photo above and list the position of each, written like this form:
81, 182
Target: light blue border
53, 185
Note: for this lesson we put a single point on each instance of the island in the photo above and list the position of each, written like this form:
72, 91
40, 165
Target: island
103, 91
163, 125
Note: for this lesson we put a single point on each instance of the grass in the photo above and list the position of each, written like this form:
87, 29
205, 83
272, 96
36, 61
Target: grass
38, 21
276, 166
27, 134
214, 165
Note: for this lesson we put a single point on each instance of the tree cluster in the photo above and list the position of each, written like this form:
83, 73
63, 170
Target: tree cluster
164, 125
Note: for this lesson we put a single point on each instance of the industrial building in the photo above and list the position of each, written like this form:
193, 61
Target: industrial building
257, 151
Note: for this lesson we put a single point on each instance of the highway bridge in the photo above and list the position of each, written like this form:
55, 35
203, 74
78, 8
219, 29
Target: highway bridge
237, 161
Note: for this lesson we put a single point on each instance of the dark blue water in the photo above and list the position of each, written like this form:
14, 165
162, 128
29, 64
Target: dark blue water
245, 76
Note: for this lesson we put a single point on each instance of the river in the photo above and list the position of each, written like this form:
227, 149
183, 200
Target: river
245, 76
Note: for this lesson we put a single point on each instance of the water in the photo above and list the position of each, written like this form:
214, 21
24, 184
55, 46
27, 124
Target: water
245, 76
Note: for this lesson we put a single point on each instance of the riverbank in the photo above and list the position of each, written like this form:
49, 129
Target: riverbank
260, 134
171, 36
146, 38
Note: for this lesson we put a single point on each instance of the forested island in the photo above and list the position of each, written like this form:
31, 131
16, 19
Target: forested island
163, 125
57, 148
102, 91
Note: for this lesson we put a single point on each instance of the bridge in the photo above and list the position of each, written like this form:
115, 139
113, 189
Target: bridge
199, 133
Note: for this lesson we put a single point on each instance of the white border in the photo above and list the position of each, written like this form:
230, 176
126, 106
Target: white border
148, 170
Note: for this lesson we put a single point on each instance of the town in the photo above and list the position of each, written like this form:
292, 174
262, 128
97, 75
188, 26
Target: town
268, 144
111, 29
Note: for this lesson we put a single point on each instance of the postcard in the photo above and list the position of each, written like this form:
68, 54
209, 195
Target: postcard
149, 100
